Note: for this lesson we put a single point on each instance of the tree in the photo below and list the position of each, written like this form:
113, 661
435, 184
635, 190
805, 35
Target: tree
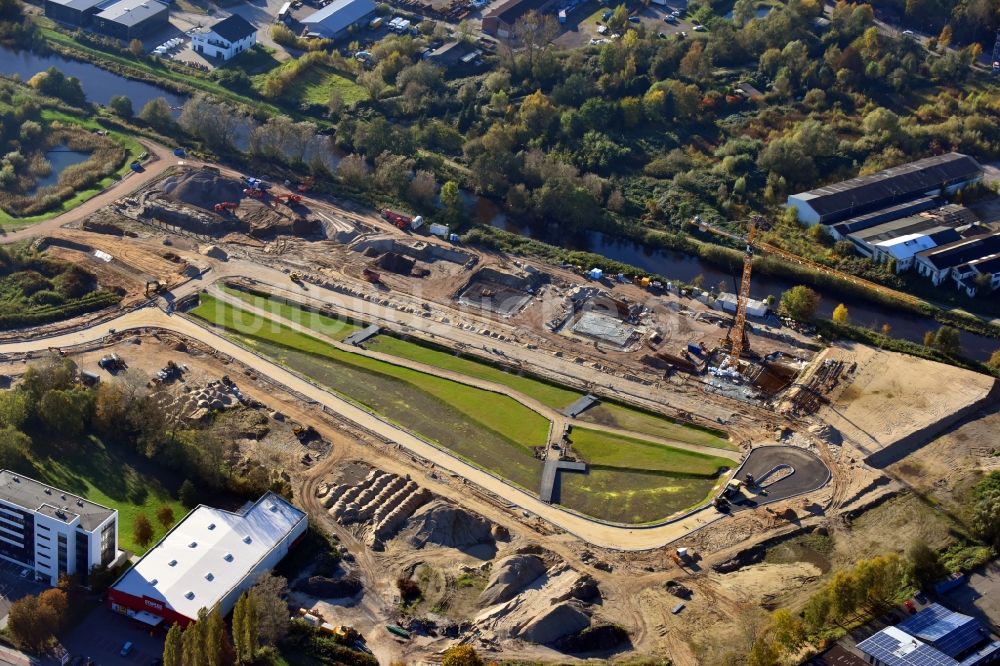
165, 516
33, 620
66, 413
799, 302
246, 628
142, 530
886, 329
269, 596
14, 447
193, 651
187, 494
947, 340
788, 630
173, 647
217, 647
986, 509
537, 113
135, 48
452, 201
929, 339
156, 113
925, 566
534, 31
422, 188
461, 655
840, 314
15, 408
121, 106
354, 171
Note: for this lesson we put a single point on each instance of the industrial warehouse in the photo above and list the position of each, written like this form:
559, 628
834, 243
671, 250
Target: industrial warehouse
901, 216
121, 19
208, 559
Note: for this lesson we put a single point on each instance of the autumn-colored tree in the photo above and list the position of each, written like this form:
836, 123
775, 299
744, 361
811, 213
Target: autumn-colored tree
461, 655
165, 516
841, 315
142, 530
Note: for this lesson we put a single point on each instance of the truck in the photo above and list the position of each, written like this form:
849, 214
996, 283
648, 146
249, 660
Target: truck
135, 166
438, 230
402, 222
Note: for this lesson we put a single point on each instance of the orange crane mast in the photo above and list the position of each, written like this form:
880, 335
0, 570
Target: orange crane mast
737, 338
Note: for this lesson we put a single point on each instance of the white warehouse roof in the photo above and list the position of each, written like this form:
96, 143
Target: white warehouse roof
907, 246
210, 553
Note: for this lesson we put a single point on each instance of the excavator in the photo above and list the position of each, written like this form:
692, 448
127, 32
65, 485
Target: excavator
226, 206
288, 198
307, 184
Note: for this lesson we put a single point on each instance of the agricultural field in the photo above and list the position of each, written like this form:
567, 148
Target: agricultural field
634, 481
114, 479
492, 431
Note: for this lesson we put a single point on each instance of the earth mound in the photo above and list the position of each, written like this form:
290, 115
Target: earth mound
445, 524
510, 576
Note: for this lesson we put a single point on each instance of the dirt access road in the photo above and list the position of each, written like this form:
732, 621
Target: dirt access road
160, 158
594, 532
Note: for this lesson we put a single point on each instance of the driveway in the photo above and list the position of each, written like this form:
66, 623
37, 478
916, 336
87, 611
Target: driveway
102, 633
980, 595
14, 587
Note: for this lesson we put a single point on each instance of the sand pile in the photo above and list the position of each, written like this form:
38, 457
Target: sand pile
444, 524
202, 188
510, 576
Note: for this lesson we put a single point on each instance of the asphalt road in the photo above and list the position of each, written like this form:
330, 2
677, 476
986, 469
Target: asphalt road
810, 474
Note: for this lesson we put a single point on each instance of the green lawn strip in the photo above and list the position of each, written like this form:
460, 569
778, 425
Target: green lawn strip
626, 418
338, 329
494, 412
315, 87
132, 147
609, 450
108, 477
630, 496
549, 395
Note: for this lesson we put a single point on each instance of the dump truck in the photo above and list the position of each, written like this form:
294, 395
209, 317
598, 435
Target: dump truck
226, 206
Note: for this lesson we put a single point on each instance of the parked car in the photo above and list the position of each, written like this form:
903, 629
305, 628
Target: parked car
25, 573
634, 19
126, 649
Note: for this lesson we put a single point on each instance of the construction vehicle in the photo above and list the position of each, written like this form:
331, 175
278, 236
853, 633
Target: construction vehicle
737, 337
226, 206
402, 222
295, 277
136, 166
371, 276
255, 193
396, 630
307, 184
289, 199
153, 287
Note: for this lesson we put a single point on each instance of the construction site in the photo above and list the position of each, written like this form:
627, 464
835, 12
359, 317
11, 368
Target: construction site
562, 464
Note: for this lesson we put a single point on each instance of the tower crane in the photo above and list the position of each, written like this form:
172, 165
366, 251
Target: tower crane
737, 337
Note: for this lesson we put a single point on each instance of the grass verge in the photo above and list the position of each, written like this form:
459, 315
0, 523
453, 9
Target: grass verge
490, 430
609, 450
116, 480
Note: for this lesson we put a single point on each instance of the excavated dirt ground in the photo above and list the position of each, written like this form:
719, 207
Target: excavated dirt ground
894, 396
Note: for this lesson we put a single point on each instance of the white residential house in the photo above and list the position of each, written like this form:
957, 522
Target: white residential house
226, 39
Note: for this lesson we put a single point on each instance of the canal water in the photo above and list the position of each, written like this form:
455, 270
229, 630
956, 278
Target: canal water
676, 265
99, 85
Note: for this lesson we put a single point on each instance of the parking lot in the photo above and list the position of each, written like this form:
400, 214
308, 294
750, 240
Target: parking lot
13, 586
979, 596
102, 633
586, 22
